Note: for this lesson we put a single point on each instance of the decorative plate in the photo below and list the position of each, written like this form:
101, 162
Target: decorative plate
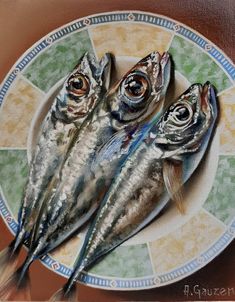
173, 246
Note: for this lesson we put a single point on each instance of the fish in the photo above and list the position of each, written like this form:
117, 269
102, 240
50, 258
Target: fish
127, 104
102, 170
82, 89
131, 101
151, 176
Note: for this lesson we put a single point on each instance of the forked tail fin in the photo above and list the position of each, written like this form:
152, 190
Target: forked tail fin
8, 262
63, 295
16, 286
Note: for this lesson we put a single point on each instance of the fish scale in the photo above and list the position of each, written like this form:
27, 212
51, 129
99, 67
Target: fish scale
57, 132
76, 163
133, 201
70, 108
134, 174
76, 175
118, 113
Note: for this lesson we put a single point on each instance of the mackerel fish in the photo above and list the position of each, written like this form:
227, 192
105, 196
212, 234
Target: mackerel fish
149, 178
129, 103
80, 93
102, 170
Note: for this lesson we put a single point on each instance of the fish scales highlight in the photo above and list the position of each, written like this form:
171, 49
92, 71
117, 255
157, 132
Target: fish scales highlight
130, 102
131, 204
80, 93
136, 96
121, 108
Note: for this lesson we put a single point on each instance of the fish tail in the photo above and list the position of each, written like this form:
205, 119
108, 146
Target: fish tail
16, 286
18, 241
8, 261
57, 296
63, 294
18, 283
68, 292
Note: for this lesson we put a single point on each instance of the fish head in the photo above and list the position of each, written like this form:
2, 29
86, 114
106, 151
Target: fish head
83, 88
140, 93
183, 126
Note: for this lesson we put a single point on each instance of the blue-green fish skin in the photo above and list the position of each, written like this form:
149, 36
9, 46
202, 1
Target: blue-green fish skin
132, 201
97, 182
130, 102
80, 93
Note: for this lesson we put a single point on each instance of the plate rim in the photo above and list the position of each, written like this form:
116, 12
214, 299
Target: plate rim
13, 72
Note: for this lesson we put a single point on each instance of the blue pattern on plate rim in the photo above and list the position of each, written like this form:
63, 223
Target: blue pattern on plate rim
133, 283
178, 29
74, 26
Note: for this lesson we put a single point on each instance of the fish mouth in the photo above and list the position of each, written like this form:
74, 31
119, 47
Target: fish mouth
205, 96
208, 99
207, 103
203, 102
201, 98
162, 78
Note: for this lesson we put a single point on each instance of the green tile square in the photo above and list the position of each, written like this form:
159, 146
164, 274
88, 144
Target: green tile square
125, 262
197, 66
221, 200
14, 171
58, 60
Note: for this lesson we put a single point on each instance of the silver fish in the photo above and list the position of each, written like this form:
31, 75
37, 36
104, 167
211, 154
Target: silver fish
81, 91
102, 170
130, 102
135, 196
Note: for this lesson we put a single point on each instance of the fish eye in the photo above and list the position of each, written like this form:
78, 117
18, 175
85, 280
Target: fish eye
78, 85
136, 86
182, 113
179, 114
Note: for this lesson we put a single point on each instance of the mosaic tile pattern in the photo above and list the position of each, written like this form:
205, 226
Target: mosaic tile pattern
185, 243
14, 170
17, 113
56, 61
197, 66
220, 201
135, 40
202, 230
227, 118
67, 252
125, 262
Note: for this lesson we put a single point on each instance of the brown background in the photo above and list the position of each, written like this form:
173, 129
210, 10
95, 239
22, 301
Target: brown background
23, 22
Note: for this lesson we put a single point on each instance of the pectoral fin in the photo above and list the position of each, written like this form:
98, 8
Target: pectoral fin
119, 144
173, 179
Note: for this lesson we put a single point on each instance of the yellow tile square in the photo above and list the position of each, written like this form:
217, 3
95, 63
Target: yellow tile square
17, 112
227, 121
185, 243
136, 40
